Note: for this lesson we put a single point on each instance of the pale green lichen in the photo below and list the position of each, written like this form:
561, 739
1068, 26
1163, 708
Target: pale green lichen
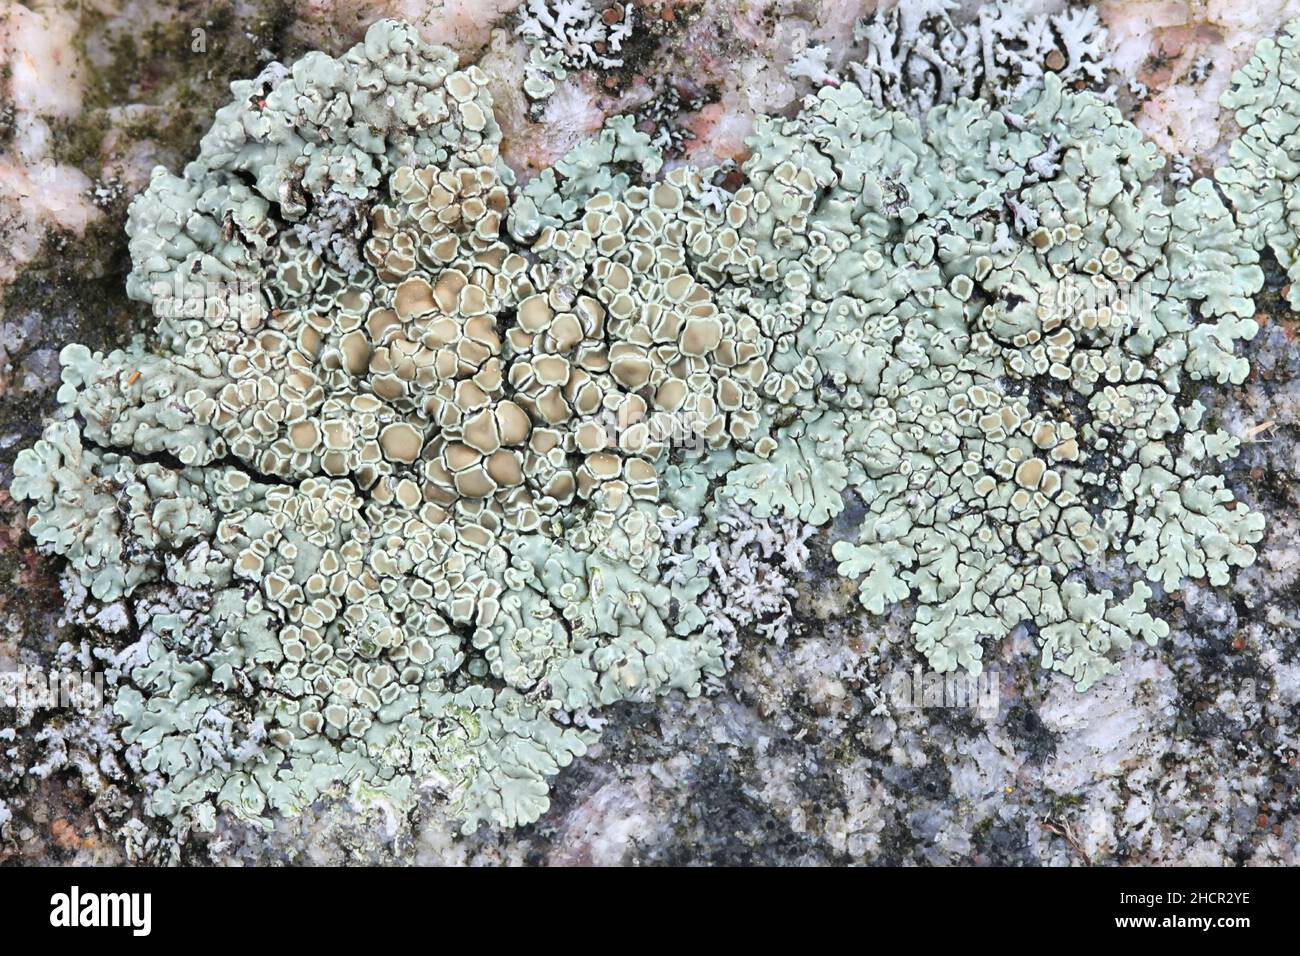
388, 493
1261, 175
1003, 309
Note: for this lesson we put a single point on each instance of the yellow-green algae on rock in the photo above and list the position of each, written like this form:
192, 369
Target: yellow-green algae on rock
395, 517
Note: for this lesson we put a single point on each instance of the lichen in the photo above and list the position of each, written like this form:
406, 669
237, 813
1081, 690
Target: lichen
565, 36
733, 574
392, 490
1260, 175
1002, 309
917, 54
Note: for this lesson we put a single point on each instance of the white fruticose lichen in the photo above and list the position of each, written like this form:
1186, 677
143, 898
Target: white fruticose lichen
920, 53
392, 494
570, 35
732, 573
812, 63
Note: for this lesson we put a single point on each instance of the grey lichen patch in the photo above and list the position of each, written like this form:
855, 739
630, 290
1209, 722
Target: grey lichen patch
565, 36
387, 492
1261, 174
661, 117
734, 574
912, 55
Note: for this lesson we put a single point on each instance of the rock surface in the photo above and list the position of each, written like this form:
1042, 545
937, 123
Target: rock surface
806, 753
